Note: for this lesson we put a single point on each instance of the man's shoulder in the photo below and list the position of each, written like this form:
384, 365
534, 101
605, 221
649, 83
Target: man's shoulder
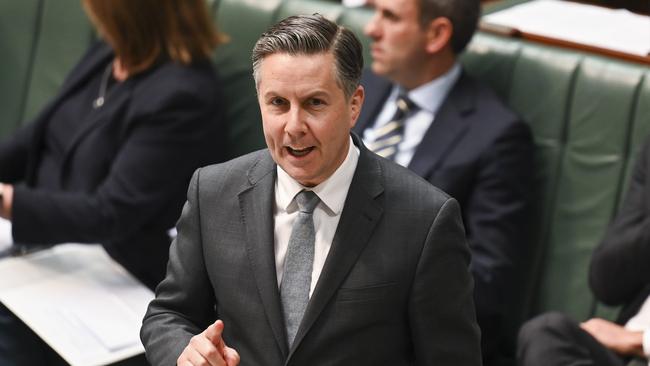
196, 84
239, 169
487, 102
403, 185
369, 78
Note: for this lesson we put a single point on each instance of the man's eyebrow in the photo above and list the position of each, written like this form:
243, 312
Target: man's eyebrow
315, 93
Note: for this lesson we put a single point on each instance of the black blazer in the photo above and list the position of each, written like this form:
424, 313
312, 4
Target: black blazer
479, 152
619, 273
123, 179
395, 288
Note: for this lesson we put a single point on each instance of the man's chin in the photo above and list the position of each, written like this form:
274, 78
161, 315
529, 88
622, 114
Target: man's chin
378, 68
304, 180
302, 176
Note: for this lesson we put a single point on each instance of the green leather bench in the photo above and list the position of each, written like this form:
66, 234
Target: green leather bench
588, 114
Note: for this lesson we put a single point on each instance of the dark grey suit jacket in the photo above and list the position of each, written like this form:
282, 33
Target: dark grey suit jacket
395, 288
480, 153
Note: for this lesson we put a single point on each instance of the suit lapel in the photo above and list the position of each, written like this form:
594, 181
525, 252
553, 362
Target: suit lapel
256, 205
448, 127
97, 56
93, 64
361, 213
119, 95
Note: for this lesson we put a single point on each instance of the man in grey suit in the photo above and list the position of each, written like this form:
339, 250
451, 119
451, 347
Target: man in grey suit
314, 251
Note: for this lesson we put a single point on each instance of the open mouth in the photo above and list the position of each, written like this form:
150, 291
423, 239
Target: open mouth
299, 152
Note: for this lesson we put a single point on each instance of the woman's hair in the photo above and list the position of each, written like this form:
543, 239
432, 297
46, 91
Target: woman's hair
143, 31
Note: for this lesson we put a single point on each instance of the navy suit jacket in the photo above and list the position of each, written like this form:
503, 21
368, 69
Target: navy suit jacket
125, 170
480, 153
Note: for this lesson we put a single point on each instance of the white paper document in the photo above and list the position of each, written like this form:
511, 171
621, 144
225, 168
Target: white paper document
78, 300
613, 29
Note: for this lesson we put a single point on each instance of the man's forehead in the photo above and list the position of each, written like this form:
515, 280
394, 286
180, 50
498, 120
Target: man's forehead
295, 67
398, 4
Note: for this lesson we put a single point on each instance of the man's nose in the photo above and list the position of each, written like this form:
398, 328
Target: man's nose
371, 29
295, 124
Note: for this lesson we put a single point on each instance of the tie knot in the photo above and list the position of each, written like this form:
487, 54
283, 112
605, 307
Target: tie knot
307, 201
404, 104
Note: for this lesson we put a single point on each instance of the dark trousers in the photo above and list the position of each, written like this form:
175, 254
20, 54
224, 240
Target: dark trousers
555, 339
19, 346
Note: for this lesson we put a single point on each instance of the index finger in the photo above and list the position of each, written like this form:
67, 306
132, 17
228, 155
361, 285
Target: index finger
213, 334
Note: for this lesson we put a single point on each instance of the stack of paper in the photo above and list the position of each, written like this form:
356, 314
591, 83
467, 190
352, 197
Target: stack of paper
78, 300
617, 30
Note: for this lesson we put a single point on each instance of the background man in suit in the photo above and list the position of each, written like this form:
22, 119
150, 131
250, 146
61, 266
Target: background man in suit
619, 275
425, 113
314, 251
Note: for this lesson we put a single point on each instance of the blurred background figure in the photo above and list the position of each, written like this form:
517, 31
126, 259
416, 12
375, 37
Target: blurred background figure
109, 159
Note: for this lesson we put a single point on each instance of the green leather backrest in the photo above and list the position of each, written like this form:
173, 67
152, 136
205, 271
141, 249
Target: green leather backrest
639, 132
640, 123
18, 28
41, 41
589, 180
588, 114
243, 22
63, 35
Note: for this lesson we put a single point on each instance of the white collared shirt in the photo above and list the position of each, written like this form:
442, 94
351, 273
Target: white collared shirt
641, 322
428, 98
332, 193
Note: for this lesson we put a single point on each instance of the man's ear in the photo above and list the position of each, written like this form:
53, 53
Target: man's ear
438, 34
356, 102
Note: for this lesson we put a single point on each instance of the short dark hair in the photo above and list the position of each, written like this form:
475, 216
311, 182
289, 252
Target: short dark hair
313, 34
463, 14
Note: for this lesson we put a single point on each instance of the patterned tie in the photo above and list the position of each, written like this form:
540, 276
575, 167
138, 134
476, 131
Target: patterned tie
298, 263
388, 136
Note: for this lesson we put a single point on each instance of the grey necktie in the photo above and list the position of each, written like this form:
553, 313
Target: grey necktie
298, 263
388, 136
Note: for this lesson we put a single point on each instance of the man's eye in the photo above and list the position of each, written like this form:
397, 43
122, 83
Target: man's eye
315, 102
389, 15
278, 102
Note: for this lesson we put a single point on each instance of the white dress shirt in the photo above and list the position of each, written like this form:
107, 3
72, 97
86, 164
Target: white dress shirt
428, 98
641, 322
332, 193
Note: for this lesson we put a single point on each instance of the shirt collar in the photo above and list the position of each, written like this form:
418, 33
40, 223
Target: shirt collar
430, 96
332, 192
